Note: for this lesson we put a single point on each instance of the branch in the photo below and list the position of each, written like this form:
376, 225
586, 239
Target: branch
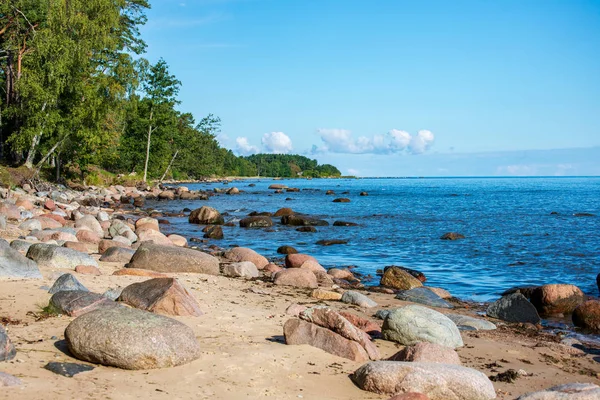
30, 24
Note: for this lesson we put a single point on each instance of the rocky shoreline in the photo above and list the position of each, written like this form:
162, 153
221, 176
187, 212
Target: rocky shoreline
107, 271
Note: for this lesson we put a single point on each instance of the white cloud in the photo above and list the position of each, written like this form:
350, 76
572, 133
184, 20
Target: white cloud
421, 143
277, 143
396, 141
244, 147
353, 172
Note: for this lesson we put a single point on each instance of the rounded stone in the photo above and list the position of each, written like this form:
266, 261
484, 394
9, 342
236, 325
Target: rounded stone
131, 339
412, 324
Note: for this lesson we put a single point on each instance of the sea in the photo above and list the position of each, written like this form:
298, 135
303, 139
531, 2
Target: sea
518, 231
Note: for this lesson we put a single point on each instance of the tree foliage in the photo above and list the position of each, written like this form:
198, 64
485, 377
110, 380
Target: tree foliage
76, 92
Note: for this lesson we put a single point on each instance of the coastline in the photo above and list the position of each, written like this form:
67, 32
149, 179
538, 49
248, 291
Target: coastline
240, 334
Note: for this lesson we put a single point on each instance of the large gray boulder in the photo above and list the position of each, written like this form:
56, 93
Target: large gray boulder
514, 308
15, 265
359, 299
67, 282
435, 380
423, 295
78, 302
466, 322
173, 259
569, 391
131, 339
412, 324
49, 255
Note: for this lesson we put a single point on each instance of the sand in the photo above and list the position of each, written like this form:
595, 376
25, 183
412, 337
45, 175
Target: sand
244, 356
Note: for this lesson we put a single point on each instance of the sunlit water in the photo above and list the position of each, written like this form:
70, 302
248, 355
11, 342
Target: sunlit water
513, 236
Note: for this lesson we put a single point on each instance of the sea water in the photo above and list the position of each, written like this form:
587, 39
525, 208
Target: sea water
518, 231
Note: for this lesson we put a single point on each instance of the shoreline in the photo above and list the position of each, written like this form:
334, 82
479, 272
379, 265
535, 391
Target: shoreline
242, 325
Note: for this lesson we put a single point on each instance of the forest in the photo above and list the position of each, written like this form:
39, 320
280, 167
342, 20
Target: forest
78, 96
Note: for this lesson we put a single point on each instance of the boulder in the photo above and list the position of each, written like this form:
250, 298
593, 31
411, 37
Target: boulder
177, 240
164, 296
214, 232
471, 322
52, 256
173, 259
443, 293
232, 191
48, 223
412, 324
359, 299
117, 254
452, 236
332, 320
417, 274
302, 220
283, 211
309, 229
427, 352
398, 278
321, 294
88, 270
256, 222
244, 269
206, 216
166, 195
145, 235
76, 302
106, 244
120, 228
138, 339
437, 381
239, 254
339, 273
423, 295
302, 278
21, 246
31, 225
297, 332
7, 349
341, 200
568, 391
315, 267
286, 250
331, 242
587, 316
296, 260
67, 282
365, 325
270, 269
514, 308
10, 211
278, 186
556, 299
90, 223
344, 223
15, 265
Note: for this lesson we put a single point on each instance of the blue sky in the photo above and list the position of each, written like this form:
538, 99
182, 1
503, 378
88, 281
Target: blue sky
393, 87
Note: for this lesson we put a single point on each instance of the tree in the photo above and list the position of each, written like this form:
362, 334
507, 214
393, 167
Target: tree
160, 88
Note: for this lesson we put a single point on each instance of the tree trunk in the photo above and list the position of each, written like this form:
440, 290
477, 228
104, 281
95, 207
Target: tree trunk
38, 167
148, 146
34, 142
168, 168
